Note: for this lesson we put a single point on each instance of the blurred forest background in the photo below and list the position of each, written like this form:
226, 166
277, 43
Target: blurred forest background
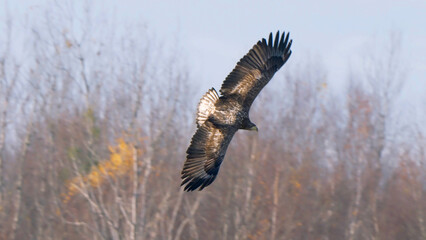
94, 127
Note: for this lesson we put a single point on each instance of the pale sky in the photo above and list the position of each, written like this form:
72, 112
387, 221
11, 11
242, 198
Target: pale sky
214, 35
218, 34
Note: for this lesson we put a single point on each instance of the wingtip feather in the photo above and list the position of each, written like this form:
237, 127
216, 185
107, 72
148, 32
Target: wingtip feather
277, 38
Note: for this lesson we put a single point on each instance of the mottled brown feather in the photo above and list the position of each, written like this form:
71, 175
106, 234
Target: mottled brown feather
266, 58
204, 155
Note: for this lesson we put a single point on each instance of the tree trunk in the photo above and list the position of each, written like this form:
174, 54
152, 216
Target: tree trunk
17, 199
275, 204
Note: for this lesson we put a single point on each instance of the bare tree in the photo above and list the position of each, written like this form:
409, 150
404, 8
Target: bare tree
17, 198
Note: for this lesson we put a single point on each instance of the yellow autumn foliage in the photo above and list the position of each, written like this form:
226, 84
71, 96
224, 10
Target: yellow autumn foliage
119, 163
296, 186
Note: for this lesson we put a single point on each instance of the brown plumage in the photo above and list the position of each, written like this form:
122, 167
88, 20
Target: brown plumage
219, 117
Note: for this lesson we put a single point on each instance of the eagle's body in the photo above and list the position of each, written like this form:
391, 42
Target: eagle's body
220, 117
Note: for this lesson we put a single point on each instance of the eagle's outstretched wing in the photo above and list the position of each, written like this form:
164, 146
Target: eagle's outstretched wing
256, 68
204, 155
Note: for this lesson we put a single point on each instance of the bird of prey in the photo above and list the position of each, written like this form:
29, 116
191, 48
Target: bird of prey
220, 117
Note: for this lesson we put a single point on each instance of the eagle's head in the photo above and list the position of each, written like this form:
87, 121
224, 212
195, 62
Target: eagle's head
248, 125
254, 128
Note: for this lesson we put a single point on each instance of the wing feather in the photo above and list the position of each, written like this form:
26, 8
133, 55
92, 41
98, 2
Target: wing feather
205, 155
257, 68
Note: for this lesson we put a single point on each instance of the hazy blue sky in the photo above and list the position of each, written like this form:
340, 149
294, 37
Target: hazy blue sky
213, 36
218, 34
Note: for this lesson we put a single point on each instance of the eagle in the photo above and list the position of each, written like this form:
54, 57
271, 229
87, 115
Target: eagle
220, 116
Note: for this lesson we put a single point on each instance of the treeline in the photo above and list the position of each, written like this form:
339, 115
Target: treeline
94, 128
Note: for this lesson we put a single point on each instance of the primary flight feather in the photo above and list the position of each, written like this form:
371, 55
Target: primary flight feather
220, 117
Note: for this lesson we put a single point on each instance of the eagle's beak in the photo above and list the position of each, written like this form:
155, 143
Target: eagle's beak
254, 128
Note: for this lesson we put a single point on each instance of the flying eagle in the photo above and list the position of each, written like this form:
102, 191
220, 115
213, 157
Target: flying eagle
220, 117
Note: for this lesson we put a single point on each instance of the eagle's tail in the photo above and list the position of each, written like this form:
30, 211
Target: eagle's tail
206, 106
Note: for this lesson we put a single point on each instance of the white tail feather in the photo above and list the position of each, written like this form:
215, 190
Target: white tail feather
206, 106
